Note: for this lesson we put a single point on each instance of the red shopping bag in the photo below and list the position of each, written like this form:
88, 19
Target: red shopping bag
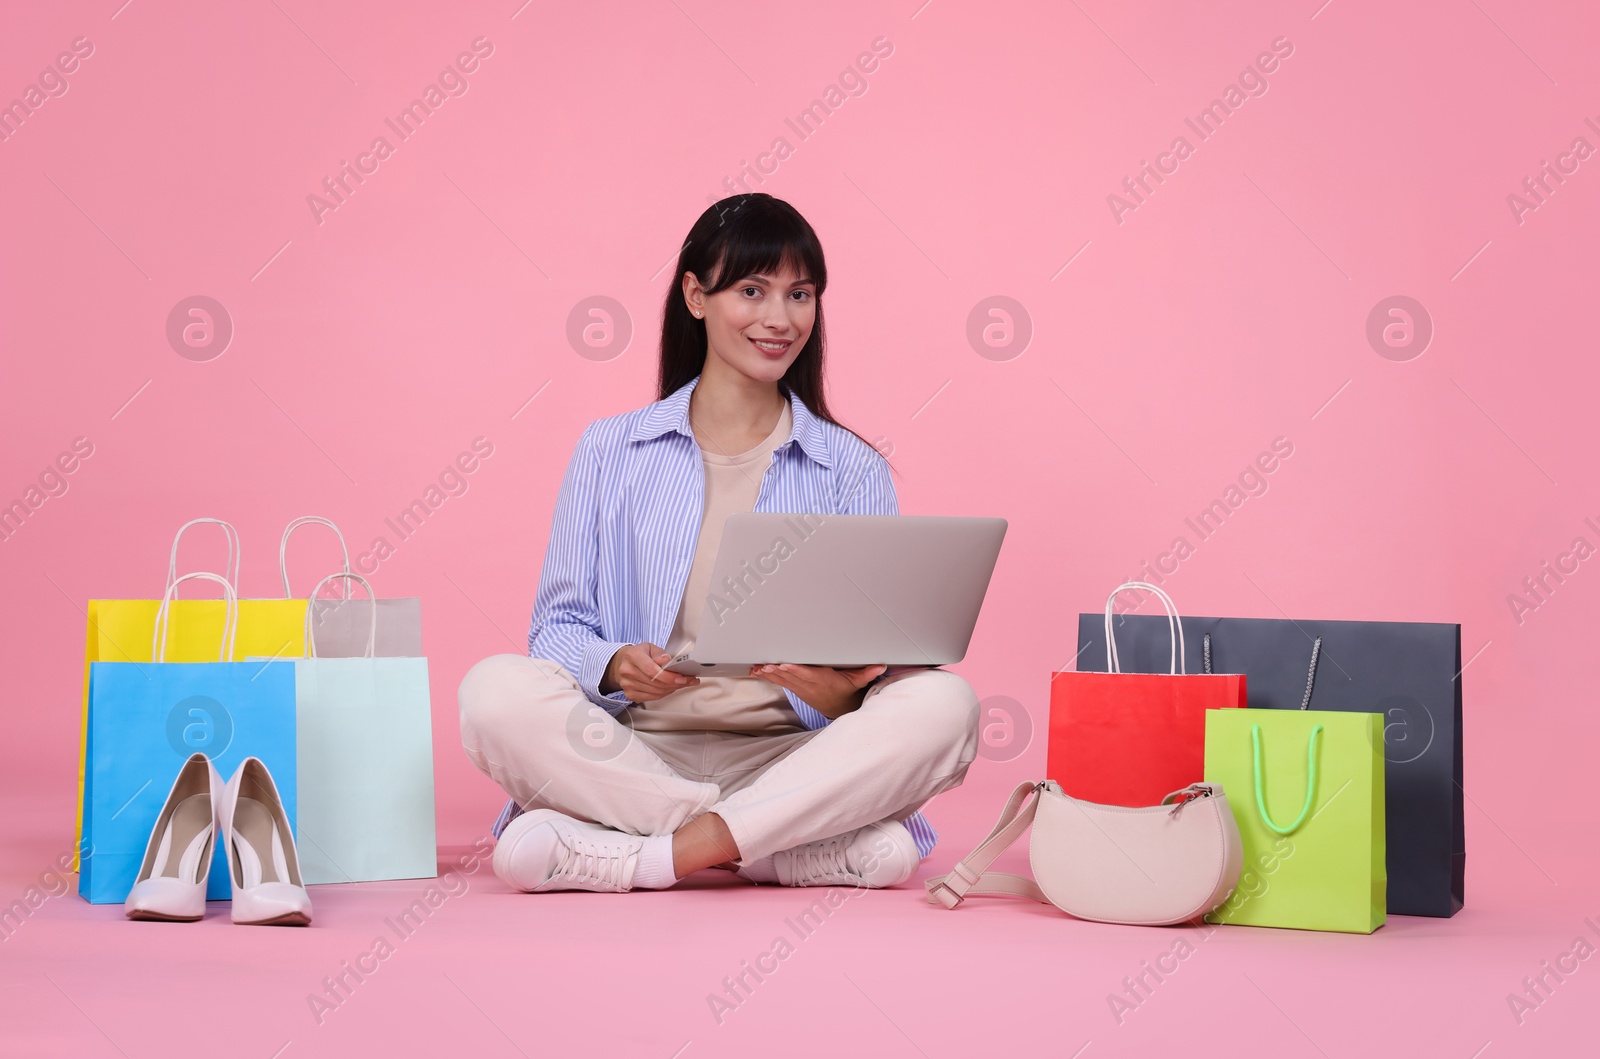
1131, 738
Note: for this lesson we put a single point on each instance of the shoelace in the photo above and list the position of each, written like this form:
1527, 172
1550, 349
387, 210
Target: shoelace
822, 861
586, 860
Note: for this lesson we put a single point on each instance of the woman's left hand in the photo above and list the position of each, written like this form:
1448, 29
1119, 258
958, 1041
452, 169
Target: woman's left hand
831, 692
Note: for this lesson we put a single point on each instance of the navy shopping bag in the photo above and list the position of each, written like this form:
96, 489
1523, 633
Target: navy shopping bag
144, 721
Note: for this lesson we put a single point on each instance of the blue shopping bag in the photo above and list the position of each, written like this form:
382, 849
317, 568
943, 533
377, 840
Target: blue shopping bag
144, 721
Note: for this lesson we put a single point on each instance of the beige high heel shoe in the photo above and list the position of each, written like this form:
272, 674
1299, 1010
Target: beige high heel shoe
171, 884
262, 861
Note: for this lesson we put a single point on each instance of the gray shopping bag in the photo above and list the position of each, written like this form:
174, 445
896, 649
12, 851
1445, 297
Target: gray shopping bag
341, 624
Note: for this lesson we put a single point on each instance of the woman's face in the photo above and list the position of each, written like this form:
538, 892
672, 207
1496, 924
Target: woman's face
759, 325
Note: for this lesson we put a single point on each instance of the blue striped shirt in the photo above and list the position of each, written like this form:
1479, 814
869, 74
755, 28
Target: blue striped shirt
626, 521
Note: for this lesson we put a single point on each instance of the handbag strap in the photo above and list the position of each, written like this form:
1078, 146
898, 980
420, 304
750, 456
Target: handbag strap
971, 875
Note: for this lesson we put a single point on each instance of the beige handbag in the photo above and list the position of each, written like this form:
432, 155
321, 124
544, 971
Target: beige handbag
1154, 866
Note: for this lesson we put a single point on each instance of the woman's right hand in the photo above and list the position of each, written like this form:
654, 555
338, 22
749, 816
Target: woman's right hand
636, 670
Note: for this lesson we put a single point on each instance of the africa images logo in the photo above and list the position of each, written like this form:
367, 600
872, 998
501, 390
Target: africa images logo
1253, 82
452, 82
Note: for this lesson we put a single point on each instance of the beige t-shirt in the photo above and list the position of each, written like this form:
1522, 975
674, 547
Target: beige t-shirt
721, 704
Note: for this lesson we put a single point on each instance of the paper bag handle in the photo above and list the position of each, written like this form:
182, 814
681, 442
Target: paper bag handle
1311, 673
1311, 779
230, 571
230, 622
372, 629
283, 550
1179, 662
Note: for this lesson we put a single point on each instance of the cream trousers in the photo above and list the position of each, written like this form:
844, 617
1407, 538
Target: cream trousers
529, 727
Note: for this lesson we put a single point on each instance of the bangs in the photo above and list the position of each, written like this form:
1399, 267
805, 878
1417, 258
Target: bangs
763, 244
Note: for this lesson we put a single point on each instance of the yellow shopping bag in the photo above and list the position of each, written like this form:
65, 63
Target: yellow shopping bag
123, 630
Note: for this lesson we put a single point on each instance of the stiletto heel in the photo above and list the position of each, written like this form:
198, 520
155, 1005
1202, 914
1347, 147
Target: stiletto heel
262, 862
177, 860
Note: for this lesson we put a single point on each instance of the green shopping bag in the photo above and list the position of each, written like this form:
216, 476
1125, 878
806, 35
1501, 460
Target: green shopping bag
1306, 789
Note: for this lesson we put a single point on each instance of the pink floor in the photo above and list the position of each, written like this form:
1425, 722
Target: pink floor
494, 973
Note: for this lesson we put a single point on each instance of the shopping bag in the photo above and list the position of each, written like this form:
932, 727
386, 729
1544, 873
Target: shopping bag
146, 718
1308, 797
341, 623
1410, 672
1131, 738
364, 732
120, 630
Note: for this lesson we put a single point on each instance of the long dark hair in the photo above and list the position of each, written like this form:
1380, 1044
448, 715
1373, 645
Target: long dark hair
734, 238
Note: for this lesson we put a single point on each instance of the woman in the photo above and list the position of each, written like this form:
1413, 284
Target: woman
623, 775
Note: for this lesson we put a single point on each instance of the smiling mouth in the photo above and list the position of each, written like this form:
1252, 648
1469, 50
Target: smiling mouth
771, 349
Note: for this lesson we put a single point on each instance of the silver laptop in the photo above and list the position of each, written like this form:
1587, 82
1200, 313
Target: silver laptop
842, 590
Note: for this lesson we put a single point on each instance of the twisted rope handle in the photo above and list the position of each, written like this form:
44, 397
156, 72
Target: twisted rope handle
1178, 662
1311, 674
230, 620
283, 550
348, 577
230, 569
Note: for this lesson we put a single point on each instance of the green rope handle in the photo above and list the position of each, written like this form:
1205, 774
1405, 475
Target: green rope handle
1311, 780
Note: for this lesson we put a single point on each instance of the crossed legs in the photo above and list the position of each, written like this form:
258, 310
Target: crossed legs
724, 797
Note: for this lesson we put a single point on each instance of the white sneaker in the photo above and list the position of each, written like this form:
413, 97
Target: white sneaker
543, 850
875, 856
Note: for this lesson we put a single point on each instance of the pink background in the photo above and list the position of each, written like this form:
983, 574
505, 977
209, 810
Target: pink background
1167, 351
